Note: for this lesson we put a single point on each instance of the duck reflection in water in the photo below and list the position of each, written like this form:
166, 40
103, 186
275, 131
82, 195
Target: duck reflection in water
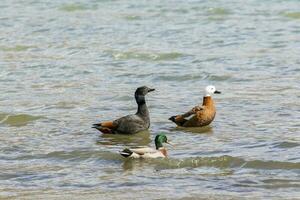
204, 130
138, 139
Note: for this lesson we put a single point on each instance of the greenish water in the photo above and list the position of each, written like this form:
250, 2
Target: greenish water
65, 65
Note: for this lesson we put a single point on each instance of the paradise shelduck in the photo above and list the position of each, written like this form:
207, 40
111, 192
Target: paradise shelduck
199, 115
146, 152
129, 124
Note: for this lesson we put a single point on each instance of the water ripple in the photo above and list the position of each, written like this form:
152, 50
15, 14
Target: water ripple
145, 56
17, 119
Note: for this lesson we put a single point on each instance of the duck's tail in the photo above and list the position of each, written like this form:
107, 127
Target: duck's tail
126, 153
104, 127
172, 118
178, 119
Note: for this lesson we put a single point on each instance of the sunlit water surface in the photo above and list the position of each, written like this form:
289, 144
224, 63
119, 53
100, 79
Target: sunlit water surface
66, 65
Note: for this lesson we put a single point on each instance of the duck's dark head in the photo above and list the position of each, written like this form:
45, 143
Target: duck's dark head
143, 90
140, 94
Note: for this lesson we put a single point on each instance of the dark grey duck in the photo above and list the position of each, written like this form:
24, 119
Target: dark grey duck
130, 124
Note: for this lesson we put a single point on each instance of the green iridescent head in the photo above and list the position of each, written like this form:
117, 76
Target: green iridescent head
159, 140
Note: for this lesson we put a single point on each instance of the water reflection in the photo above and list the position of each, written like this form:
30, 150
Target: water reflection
205, 129
221, 162
136, 164
138, 139
130, 164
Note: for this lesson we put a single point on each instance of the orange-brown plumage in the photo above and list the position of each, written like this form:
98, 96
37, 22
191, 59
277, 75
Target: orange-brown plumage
200, 115
203, 116
107, 124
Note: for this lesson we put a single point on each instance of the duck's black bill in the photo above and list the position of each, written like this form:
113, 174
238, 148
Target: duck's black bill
217, 92
151, 90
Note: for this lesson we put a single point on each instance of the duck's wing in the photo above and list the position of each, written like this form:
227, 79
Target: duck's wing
138, 152
130, 124
127, 124
156, 154
143, 150
181, 119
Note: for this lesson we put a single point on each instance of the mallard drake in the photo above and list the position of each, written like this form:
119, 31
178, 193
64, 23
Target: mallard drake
200, 115
130, 124
146, 152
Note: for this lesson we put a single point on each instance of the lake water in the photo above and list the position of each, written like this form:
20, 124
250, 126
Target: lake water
65, 65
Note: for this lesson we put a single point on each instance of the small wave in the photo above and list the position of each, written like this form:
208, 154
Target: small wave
75, 7
178, 78
219, 78
3, 117
219, 11
219, 162
286, 145
218, 14
132, 17
76, 155
17, 120
66, 105
124, 98
280, 183
145, 56
292, 15
222, 162
16, 48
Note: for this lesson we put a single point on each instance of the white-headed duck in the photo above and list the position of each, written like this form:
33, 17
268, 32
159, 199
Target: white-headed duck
200, 115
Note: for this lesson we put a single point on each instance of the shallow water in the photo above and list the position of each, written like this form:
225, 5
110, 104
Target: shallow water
65, 66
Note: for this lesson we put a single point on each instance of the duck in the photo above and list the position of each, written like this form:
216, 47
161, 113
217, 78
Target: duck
199, 116
147, 152
133, 123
